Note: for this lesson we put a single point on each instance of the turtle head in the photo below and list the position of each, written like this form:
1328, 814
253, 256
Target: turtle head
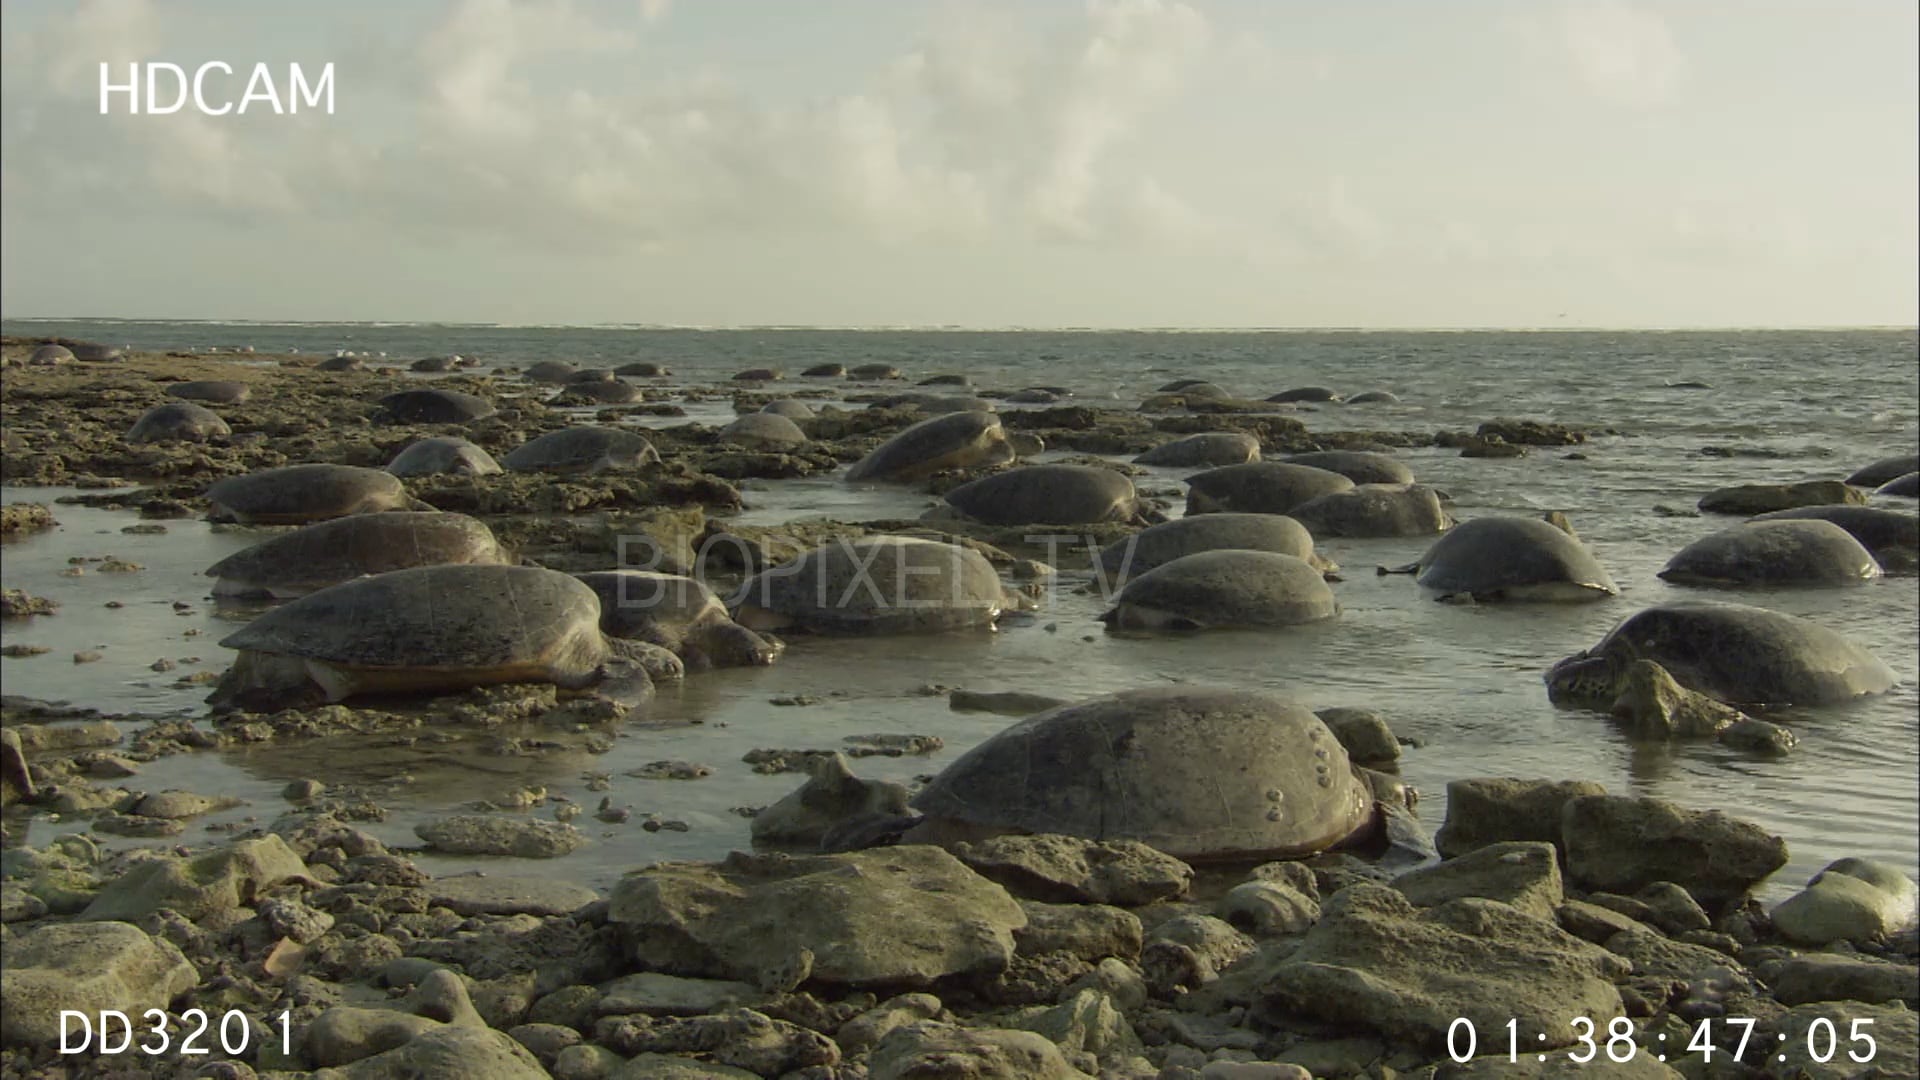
1583, 679
729, 644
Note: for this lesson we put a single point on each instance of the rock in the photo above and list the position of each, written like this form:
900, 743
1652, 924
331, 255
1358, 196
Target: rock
655, 994
1091, 932
1654, 706
85, 967
491, 834
741, 1038
1253, 1070
1592, 922
928, 1049
1089, 1022
544, 1041
588, 1061
1368, 739
19, 905
859, 1034
1804, 979
508, 895
1488, 810
833, 800
1267, 908
1117, 980
1530, 432
346, 1034
1333, 1057
289, 918
217, 881
1524, 874
1851, 900
1644, 1066
730, 920
1376, 961
674, 1067
1665, 964
1757, 736
1672, 908
1190, 951
16, 780
1623, 844
1070, 869
447, 1050
1750, 499
1894, 1030
177, 805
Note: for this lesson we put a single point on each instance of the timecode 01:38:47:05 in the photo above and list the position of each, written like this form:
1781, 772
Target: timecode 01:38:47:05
1621, 1042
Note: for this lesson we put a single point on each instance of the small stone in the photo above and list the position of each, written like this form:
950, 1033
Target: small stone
19, 651
303, 790
485, 834
671, 770
86, 656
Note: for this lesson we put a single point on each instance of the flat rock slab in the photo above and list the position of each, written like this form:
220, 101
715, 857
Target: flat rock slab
489, 834
1071, 869
1376, 961
1493, 809
199, 886
655, 994
932, 1049
1621, 844
898, 916
86, 967
470, 895
1523, 873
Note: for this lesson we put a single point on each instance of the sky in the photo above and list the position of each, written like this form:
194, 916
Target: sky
992, 163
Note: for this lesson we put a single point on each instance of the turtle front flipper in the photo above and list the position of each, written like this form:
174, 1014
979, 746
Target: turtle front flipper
267, 682
657, 662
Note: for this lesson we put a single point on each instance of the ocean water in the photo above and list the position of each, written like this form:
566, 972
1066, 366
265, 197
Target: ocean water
1464, 681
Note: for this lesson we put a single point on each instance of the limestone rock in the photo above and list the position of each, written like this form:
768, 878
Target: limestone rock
1592, 922
1368, 739
1266, 908
451, 1051
655, 994
346, 1034
928, 1049
674, 1067
492, 834
1091, 932
1644, 1066
1851, 900
861, 1033
1654, 706
1805, 979
1672, 908
1750, 499
741, 1038
1089, 1022
730, 920
1072, 869
1190, 951
1624, 844
1757, 736
1375, 960
1524, 874
86, 967
199, 886
832, 799
1488, 810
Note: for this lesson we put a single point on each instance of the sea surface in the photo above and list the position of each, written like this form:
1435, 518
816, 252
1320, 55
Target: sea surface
1464, 681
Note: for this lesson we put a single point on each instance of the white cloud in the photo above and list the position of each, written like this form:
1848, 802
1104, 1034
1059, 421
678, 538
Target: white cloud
1621, 52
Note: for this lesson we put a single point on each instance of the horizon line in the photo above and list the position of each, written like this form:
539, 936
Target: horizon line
972, 329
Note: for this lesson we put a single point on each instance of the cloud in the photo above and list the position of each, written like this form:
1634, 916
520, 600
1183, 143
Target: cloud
1620, 52
531, 121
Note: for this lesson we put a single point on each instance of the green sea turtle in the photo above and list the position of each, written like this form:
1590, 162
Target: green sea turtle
549, 371
434, 628
437, 365
1374, 397
217, 391
764, 431
589, 375
789, 408
1906, 486
433, 405
1374, 510
1033, 395
1872, 476
935, 404
50, 354
1892, 537
589, 392
946, 379
875, 585
962, 440
1223, 588
1306, 393
873, 372
1204, 450
1359, 466
341, 362
1730, 652
825, 371
1202, 774
92, 352
329, 552
1200, 391
758, 374
679, 614
1512, 558
298, 494
643, 369
178, 421
1177, 385
442, 454
1167, 541
1047, 495
1260, 487
581, 449
1774, 553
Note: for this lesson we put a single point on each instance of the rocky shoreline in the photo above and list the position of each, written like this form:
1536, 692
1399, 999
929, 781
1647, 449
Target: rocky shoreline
1017, 956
